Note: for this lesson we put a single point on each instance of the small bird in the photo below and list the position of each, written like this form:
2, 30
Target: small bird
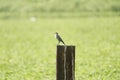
59, 38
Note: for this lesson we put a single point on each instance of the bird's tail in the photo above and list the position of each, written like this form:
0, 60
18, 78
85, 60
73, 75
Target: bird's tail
63, 42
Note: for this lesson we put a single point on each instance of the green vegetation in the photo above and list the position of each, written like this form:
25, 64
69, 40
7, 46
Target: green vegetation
51, 8
28, 49
59, 5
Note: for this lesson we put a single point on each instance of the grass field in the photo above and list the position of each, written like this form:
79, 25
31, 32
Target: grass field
28, 49
27, 6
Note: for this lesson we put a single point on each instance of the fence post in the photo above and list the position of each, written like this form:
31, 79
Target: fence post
65, 62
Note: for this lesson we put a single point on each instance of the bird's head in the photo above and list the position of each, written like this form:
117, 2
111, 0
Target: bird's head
56, 32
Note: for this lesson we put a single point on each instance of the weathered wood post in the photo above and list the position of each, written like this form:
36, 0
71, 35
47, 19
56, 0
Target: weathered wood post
65, 62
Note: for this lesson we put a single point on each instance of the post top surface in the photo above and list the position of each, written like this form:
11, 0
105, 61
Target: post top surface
65, 45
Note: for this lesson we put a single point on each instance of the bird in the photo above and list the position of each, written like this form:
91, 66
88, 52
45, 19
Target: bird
59, 38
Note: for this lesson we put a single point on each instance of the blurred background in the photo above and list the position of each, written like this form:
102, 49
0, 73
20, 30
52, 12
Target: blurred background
58, 8
28, 46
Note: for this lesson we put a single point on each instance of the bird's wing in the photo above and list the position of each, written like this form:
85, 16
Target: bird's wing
60, 39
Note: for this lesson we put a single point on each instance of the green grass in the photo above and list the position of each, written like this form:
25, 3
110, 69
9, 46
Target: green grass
28, 49
26, 6
15, 15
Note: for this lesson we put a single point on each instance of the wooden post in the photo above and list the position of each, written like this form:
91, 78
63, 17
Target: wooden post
65, 62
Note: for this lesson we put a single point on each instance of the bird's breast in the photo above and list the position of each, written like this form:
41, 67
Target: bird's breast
55, 36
